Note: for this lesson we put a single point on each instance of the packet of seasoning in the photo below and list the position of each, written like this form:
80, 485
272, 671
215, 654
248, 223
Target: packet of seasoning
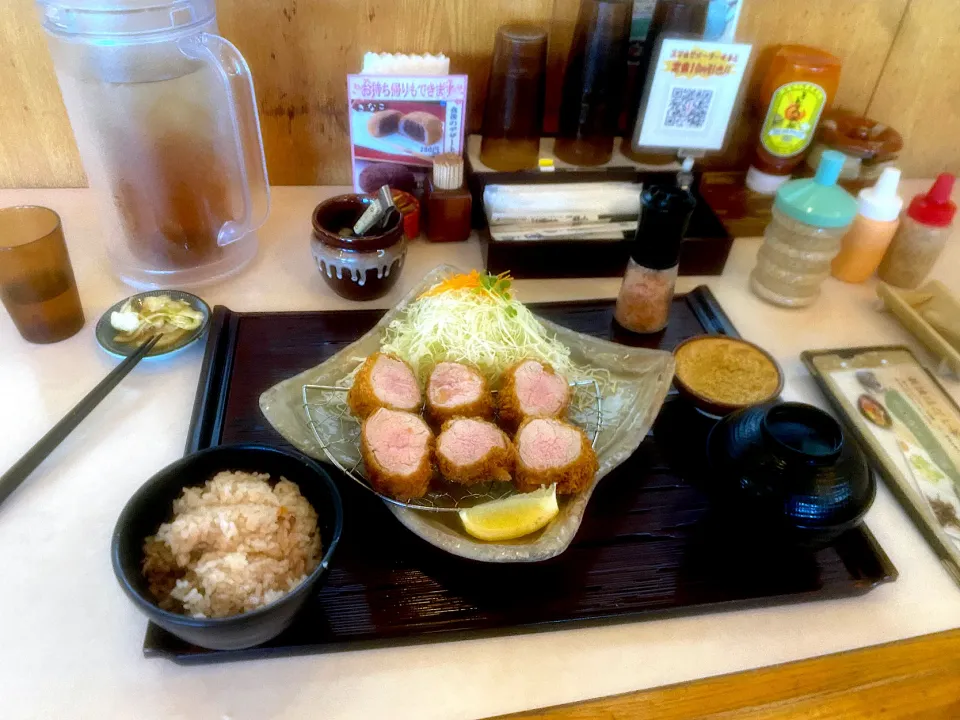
377, 212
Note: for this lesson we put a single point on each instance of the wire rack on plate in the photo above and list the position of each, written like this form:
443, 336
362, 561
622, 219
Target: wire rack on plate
338, 434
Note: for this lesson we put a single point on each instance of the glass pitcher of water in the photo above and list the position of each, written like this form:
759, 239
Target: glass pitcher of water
165, 117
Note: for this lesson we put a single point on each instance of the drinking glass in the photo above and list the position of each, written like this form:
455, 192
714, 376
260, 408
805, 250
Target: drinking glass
513, 117
36, 279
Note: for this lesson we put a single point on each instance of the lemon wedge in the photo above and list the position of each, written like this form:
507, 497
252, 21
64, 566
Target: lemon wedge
512, 517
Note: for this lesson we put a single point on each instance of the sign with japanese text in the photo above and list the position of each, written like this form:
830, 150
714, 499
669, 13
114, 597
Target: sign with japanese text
690, 94
397, 125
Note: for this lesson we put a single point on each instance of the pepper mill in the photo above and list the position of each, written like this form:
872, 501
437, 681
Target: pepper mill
643, 305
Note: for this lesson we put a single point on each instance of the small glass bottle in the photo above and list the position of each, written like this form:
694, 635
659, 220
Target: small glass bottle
447, 201
921, 236
643, 305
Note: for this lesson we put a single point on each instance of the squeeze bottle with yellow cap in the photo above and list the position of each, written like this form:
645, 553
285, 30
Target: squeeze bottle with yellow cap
878, 215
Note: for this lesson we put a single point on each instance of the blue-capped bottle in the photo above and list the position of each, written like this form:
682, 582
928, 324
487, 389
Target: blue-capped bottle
810, 218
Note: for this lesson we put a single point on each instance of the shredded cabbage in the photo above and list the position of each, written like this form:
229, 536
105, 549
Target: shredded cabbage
488, 330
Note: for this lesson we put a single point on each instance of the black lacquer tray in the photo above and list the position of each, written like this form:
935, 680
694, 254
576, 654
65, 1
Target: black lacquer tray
649, 544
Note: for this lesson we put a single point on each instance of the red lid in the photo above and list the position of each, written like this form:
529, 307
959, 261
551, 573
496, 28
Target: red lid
935, 207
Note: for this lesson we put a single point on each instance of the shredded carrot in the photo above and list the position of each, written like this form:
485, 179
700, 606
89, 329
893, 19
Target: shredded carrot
463, 281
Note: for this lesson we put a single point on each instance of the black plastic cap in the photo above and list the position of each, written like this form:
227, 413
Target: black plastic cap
664, 216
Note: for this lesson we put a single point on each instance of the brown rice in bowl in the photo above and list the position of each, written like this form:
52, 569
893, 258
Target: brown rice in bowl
235, 544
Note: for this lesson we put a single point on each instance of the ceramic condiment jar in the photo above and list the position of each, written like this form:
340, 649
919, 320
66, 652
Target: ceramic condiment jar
356, 268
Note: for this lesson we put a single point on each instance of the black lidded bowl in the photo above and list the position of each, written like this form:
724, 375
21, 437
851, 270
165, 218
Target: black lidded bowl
789, 469
152, 505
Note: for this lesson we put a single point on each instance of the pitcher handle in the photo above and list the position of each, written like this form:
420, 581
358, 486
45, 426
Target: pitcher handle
238, 83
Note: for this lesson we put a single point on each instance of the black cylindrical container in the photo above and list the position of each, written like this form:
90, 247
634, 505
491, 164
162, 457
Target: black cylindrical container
593, 82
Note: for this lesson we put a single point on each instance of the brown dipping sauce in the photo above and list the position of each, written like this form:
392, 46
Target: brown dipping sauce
727, 370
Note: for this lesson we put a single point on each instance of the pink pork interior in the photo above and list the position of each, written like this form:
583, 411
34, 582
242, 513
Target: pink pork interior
394, 383
452, 384
540, 392
466, 441
546, 443
398, 440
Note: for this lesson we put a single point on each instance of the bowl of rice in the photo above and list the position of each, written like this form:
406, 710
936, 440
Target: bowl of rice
224, 546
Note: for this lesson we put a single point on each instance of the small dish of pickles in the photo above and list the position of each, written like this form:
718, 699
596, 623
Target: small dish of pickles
178, 317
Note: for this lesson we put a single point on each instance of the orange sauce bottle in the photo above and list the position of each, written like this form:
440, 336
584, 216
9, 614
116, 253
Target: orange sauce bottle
800, 84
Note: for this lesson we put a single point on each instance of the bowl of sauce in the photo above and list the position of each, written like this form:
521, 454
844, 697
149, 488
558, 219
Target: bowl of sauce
721, 375
356, 267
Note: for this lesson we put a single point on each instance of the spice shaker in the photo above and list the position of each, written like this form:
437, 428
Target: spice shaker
643, 304
809, 218
447, 201
922, 234
877, 219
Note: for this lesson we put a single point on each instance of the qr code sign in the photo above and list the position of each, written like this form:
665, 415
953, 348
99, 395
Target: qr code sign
688, 108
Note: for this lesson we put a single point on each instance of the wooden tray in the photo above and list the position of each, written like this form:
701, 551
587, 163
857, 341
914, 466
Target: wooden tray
649, 544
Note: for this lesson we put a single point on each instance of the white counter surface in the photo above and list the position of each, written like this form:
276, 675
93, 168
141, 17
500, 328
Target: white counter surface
70, 641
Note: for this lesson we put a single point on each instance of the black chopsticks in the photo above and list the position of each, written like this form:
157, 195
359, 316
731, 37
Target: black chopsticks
21, 470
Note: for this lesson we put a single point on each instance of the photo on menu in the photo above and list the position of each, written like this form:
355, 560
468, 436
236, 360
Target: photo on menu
907, 421
398, 125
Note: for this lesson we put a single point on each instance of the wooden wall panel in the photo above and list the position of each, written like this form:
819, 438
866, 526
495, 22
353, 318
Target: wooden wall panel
37, 148
301, 50
919, 91
860, 33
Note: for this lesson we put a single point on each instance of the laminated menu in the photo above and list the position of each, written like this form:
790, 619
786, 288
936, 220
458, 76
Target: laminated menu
399, 123
910, 428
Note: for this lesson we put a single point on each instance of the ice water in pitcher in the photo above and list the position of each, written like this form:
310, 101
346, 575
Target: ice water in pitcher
164, 114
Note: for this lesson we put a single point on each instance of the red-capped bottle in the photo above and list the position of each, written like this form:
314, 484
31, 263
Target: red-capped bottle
921, 237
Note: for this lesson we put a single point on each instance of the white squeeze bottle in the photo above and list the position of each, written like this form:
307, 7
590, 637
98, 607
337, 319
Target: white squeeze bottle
878, 215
